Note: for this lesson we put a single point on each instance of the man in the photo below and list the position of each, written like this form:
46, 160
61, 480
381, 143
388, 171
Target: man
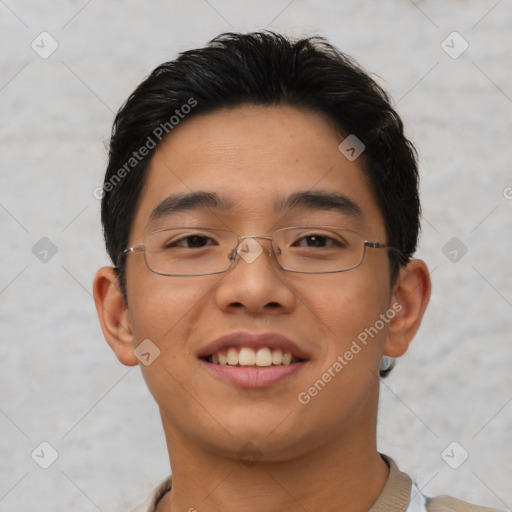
261, 210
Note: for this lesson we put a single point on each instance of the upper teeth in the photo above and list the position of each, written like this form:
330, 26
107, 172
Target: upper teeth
246, 356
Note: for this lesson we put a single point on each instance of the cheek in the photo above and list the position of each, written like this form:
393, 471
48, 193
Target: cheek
346, 310
345, 305
164, 308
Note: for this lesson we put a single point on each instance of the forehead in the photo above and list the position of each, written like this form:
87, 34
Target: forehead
255, 157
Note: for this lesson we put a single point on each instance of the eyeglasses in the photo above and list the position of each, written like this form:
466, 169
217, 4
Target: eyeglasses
200, 251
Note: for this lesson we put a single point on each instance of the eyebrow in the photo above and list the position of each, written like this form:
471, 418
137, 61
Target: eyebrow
178, 203
317, 200
320, 200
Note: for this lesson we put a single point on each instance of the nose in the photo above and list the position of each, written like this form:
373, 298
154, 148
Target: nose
255, 282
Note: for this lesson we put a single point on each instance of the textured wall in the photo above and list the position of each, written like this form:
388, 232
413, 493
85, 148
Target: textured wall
59, 382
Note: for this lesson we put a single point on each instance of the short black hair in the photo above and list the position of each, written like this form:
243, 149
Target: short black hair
263, 68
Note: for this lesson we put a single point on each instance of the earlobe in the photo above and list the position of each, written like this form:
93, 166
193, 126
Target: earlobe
410, 299
114, 315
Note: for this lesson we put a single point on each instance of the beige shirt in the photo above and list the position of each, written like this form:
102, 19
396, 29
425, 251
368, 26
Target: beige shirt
399, 495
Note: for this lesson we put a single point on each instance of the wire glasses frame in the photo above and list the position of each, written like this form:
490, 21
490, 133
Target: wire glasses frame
335, 249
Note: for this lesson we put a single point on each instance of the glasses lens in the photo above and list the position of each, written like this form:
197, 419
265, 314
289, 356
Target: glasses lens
187, 251
318, 249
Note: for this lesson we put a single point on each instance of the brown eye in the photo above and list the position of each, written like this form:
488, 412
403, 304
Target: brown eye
318, 241
190, 242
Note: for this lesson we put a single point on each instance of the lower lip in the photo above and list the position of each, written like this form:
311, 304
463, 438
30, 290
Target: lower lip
250, 377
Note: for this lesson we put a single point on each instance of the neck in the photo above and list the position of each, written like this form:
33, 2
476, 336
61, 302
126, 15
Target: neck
347, 471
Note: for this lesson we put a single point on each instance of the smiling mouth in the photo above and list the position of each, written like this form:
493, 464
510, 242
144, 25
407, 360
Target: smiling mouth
262, 357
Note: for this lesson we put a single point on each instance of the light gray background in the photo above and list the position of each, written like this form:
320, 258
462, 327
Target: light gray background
60, 383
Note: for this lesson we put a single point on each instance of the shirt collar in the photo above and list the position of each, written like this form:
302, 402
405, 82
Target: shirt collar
395, 496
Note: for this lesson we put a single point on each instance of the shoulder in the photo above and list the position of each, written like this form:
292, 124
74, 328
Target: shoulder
400, 494
448, 504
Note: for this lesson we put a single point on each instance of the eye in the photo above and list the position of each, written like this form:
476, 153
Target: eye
317, 240
190, 242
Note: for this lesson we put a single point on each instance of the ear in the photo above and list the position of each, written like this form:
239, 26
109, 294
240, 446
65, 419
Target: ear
409, 301
114, 315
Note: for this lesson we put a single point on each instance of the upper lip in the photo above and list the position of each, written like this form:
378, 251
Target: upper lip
254, 341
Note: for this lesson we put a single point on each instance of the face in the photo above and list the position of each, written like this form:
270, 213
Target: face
254, 159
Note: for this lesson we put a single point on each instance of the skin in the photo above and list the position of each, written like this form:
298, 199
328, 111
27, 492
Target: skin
318, 456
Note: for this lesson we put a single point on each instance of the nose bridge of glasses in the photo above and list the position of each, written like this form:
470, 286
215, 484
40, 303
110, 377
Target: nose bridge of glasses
249, 249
